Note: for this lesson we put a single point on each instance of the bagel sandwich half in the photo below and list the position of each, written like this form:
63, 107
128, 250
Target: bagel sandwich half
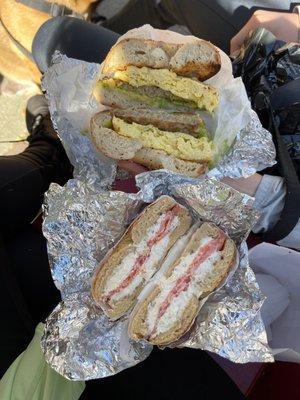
154, 138
128, 267
148, 73
170, 308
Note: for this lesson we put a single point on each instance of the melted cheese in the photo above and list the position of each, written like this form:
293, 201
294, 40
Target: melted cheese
204, 96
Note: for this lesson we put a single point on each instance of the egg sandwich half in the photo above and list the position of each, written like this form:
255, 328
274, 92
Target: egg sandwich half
148, 73
154, 138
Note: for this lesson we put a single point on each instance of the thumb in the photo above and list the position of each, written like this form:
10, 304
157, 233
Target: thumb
237, 40
235, 44
131, 167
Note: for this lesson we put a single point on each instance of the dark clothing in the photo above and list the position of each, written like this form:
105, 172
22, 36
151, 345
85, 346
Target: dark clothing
170, 374
73, 37
214, 20
27, 291
24, 179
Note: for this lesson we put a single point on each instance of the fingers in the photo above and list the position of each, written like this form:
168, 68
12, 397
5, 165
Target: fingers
237, 41
131, 167
245, 185
285, 26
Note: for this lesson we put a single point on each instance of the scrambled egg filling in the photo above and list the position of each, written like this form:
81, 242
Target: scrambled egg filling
169, 102
206, 97
178, 144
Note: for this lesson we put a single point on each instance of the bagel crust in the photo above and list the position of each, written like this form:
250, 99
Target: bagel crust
199, 58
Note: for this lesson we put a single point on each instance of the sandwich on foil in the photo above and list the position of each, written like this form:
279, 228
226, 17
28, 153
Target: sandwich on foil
160, 270
155, 92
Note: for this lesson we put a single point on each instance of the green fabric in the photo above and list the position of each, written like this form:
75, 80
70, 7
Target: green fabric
31, 378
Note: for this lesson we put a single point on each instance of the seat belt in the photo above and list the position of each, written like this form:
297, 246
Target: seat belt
53, 9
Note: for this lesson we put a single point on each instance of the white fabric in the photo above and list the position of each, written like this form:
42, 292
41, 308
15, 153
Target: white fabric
269, 200
277, 297
283, 268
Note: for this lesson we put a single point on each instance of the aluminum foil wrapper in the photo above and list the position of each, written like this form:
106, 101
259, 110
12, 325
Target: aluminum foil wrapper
253, 150
82, 223
81, 343
230, 323
68, 85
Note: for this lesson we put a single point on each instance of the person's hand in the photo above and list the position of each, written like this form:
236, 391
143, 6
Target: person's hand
245, 185
285, 26
131, 167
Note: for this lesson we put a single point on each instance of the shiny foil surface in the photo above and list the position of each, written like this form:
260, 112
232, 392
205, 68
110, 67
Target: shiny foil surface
253, 150
81, 343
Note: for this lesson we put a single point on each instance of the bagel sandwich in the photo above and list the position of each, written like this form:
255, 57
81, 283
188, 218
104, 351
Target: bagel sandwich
149, 73
129, 266
156, 139
169, 309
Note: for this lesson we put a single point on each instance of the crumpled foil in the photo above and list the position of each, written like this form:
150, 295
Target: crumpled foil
68, 85
253, 150
209, 199
81, 343
230, 323
82, 223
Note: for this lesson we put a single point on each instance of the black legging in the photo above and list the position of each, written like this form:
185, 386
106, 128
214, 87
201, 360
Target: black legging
24, 270
214, 20
28, 294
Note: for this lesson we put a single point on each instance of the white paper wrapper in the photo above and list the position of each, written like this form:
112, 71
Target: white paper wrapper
280, 267
234, 111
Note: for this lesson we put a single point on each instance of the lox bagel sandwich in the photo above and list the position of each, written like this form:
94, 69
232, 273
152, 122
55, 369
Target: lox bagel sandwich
169, 310
125, 271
